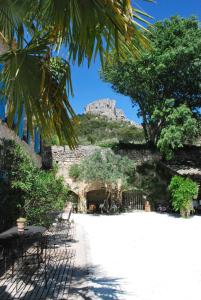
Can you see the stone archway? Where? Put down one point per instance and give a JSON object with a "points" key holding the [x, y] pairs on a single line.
{"points": [[84, 189]]}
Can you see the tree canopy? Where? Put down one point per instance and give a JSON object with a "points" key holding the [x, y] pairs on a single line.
{"points": [[178, 126], [33, 32], [172, 70], [104, 167]]}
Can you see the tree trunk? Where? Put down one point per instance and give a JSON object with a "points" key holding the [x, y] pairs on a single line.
{"points": [[82, 203]]}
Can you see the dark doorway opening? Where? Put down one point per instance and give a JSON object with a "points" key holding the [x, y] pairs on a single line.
{"points": [[94, 199]]}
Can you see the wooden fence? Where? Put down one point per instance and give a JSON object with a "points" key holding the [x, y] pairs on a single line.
{"points": [[133, 200]]}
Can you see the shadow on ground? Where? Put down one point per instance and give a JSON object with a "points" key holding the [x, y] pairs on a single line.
{"points": [[88, 285], [31, 283]]}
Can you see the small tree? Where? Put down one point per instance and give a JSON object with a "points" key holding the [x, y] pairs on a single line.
{"points": [[36, 192], [183, 190], [111, 170]]}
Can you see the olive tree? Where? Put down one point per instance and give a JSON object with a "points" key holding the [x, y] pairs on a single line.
{"points": [[113, 171]]}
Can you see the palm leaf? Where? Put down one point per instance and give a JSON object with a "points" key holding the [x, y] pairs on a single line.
{"points": [[29, 81], [85, 28], [81, 25]]}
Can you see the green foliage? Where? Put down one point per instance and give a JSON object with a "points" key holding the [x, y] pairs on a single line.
{"points": [[105, 167], [107, 143], [32, 30], [74, 171], [179, 127], [10, 203], [152, 183], [172, 70], [102, 132], [183, 190], [36, 192]]}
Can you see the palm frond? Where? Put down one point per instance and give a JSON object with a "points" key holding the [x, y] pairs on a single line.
{"points": [[29, 81], [85, 28], [91, 26], [12, 16]]}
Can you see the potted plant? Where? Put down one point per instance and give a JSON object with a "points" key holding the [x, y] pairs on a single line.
{"points": [[21, 224], [183, 191]]}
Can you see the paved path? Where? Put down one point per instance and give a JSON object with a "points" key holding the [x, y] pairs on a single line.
{"points": [[30, 282], [138, 256]]}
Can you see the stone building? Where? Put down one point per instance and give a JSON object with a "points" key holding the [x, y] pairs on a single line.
{"points": [[63, 157]]}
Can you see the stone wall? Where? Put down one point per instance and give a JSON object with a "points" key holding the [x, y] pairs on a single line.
{"points": [[188, 155], [139, 154], [64, 157]]}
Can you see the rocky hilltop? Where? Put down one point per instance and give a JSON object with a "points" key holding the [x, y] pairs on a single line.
{"points": [[106, 108]]}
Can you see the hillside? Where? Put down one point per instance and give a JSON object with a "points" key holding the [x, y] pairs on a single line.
{"points": [[103, 132]]}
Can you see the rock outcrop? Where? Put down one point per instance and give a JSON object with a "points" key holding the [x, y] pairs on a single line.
{"points": [[105, 108]]}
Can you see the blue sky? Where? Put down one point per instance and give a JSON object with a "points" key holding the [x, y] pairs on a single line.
{"points": [[86, 82]]}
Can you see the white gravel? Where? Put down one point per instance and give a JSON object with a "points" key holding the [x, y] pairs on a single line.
{"points": [[140, 256]]}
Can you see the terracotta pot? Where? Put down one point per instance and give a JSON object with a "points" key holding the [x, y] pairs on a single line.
{"points": [[147, 206], [21, 224]]}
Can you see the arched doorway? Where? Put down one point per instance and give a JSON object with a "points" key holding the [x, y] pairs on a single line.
{"points": [[94, 199]]}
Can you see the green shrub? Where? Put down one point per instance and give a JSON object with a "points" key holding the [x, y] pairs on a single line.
{"points": [[183, 190], [74, 171], [36, 192], [105, 167], [107, 143]]}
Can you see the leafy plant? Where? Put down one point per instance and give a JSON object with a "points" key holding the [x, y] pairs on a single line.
{"points": [[34, 192], [183, 190], [172, 70], [74, 171], [31, 31], [113, 171], [179, 127]]}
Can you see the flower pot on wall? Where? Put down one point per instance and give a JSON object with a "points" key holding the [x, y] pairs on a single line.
{"points": [[21, 224]]}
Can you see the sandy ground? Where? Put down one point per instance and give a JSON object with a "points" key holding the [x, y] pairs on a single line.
{"points": [[138, 256]]}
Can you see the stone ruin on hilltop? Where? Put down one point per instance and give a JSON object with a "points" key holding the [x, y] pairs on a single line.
{"points": [[106, 108]]}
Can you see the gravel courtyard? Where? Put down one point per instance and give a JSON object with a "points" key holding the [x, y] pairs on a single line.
{"points": [[138, 256]]}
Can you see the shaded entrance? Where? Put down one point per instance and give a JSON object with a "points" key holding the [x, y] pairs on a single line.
{"points": [[94, 199], [73, 197]]}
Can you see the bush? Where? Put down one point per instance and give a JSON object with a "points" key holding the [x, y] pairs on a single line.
{"points": [[183, 190], [36, 192], [107, 143], [105, 167], [74, 171]]}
